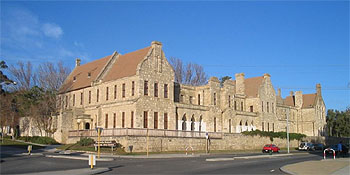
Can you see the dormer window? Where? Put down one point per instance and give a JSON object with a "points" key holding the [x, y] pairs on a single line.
{"points": [[89, 74], [74, 78]]}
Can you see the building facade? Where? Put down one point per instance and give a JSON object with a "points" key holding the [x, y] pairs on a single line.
{"points": [[137, 90]]}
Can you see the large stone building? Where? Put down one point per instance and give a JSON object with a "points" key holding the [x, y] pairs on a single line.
{"points": [[137, 90]]}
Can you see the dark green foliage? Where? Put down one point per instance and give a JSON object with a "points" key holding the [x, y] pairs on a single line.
{"points": [[223, 79], [39, 140], [281, 135], [338, 123], [86, 141]]}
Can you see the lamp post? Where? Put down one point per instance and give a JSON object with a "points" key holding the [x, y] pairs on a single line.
{"points": [[98, 129], [288, 132]]}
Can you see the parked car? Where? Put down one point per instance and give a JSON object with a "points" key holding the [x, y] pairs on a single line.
{"points": [[306, 146], [270, 148], [319, 146]]}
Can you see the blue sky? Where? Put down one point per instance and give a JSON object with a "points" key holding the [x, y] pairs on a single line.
{"points": [[299, 43]]}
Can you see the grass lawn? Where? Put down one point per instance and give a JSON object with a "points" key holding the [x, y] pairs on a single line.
{"points": [[13, 143]]}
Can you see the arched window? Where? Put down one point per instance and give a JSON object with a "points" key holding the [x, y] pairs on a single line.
{"points": [[252, 126], [184, 123], [87, 125], [192, 123], [229, 125]]}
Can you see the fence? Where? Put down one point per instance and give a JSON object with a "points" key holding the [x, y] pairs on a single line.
{"points": [[110, 132]]}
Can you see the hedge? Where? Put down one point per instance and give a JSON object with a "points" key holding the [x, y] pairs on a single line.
{"points": [[281, 135]]}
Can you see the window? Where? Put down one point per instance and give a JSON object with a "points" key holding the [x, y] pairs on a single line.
{"points": [[192, 123], [66, 101], [115, 91], [73, 99], [145, 119], [106, 121], [268, 126], [176, 121], [200, 123], [145, 88], [97, 94], [267, 107], [229, 101], [155, 89], [166, 121], [251, 109], [123, 119], [229, 125], [273, 127], [214, 124], [107, 93], [123, 90], [199, 99], [165, 90], [89, 97], [155, 120], [132, 119], [74, 78], [132, 88], [214, 98], [241, 106], [81, 98], [272, 107], [181, 98], [190, 99], [262, 106], [114, 120], [235, 104], [89, 74], [262, 126]]}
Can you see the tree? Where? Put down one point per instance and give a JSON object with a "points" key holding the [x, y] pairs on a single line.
{"points": [[223, 79], [338, 123], [190, 73], [3, 78], [23, 75]]}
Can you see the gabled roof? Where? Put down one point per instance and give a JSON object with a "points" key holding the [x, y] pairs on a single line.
{"points": [[308, 100], [126, 65], [252, 86], [80, 74]]}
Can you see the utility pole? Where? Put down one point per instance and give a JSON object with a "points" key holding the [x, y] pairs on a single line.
{"points": [[288, 131]]}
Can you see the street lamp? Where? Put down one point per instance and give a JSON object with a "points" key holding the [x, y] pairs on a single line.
{"points": [[288, 131]]}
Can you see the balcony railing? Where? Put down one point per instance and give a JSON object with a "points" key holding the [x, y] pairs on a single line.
{"points": [[142, 132]]}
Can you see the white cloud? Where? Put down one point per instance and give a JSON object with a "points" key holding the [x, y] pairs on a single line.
{"points": [[52, 30]]}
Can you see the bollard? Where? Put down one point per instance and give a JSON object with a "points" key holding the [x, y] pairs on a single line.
{"points": [[29, 149], [333, 154]]}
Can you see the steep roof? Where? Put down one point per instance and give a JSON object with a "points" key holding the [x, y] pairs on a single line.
{"points": [[308, 100], [252, 86], [81, 75], [126, 65]]}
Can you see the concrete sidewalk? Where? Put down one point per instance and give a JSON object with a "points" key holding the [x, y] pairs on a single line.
{"points": [[338, 166], [82, 171]]}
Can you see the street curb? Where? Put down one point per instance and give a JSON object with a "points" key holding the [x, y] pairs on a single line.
{"points": [[249, 157], [150, 157], [73, 171], [286, 171], [78, 158]]}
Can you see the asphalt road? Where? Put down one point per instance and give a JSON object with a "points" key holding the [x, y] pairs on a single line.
{"points": [[192, 165]]}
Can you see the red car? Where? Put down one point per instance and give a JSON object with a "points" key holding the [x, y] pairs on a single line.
{"points": [[270, 148]]}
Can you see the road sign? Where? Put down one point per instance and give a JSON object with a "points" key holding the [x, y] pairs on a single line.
{"points": [[92, 160], [206, 135]]}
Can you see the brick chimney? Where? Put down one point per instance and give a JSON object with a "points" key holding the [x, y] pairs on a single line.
{"points": [[318, 89], [240, 87], [77, 62], [291, 93], [298, 99]]}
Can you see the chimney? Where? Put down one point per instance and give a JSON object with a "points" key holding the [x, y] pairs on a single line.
{"points": [[318, 89], [77, 62], [298, 99], [240, 88], [279, 92], [291, 93]]}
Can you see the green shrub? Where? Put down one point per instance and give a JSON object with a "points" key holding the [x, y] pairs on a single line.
{"points": [[39, 140], [85, 141], [281, 135]]}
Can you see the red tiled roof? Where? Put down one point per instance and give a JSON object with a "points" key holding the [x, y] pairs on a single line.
{"points": [[126, 65], [81, 75], [309, 100], [252, 86]]}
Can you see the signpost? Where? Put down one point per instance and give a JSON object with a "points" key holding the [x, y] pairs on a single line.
{"points": [[99, 130], [206, 142], [92, 160]]}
